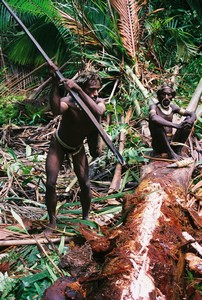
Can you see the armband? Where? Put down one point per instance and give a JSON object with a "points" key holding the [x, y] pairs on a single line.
{"points": [[182, 111], [152, 111]]}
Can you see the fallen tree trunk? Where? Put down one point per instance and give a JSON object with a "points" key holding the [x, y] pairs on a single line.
{"points": [[147, 260]]}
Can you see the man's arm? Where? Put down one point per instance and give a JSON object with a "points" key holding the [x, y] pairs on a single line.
{"points": [[97, 108], [190, 115], [160, 120], [58, 105]]}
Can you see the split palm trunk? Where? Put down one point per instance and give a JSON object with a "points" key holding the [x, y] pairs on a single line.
{"points": [[144, 257], [146, 262]]}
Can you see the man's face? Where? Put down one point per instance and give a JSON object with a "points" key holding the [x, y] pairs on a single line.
{"points": [[92, 89], [165, 97]]}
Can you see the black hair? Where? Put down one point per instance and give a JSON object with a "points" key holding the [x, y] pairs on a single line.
{"points": [[85, 76], [164, 86]]}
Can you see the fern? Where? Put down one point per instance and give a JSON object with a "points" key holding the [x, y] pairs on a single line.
{"points": [[33, 7], [7, 286]]}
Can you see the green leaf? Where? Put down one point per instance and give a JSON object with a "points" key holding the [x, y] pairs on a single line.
{"points": [[38, 289], [62, 244], [7, 285], [53, 276], [19, 220], [125, 180], [16, 229], [109, 210], [28, 280], [12, 153]]}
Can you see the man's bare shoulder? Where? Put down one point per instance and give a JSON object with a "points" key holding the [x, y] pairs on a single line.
{"points": [[102, 106], [152, 106], [67, 99], [175, 108]]}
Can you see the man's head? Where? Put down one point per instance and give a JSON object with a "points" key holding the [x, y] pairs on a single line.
{"points": [[165, 94], [90, 82]]}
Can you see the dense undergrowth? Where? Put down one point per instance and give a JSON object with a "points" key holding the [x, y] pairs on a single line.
{"points": [[171, 38]]}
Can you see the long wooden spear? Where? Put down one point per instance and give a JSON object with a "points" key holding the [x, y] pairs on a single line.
{"points": [[72, 93]]}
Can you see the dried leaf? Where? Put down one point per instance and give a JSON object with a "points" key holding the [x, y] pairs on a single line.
{"points": [[196, 217], [129, 26], [194, 262]]}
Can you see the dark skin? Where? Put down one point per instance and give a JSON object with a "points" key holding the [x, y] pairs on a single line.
{"points": [[161, 125], [74, 127]]}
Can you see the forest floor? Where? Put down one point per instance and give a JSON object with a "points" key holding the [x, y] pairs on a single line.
{"points": [[28, 259], [23, 214]]}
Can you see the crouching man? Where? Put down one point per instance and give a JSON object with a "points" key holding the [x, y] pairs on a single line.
{"points": [[161, 124]]}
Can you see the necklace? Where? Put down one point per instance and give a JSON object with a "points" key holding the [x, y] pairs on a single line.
{"points": [[165, 111]]}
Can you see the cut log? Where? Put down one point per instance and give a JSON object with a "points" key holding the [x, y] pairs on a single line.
{"points": [[116, 181], [145, 260], [145, 264]]}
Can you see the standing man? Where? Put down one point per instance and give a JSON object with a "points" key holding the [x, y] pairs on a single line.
{"points": [[68, 139], [161, 124]]}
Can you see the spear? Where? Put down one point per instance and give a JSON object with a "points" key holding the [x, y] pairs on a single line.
{"points": [[72, 93]]}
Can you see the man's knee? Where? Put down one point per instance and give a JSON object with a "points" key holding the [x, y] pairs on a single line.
{"points": [[85, 190], [50, 185]]}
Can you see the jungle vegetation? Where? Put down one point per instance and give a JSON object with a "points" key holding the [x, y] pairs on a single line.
{"points": [[135, 48]]}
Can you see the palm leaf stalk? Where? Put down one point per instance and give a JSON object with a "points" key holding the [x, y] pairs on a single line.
{"points": [[129, 25]]}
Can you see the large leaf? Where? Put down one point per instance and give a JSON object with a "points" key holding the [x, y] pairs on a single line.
{"points": [[129, 25]]}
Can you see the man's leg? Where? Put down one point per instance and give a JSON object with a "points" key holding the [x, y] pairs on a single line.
{"points": [[181, 136], [160, 142], [81, 170], [54, 161]]}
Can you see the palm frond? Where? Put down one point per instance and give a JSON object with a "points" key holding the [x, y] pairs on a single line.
{"points": [[90, 23], [86, 35], [129, 26], [196, 7], [33, 7]]}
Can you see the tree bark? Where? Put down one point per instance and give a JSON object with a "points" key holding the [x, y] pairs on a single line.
{"points": [[144, 259], [146, 262]]}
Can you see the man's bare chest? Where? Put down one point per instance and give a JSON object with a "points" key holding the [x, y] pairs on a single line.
{"points": [[76, 120], [166, 115]]}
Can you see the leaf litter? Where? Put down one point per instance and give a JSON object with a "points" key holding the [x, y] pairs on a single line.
{"points": [[23, 214]]}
